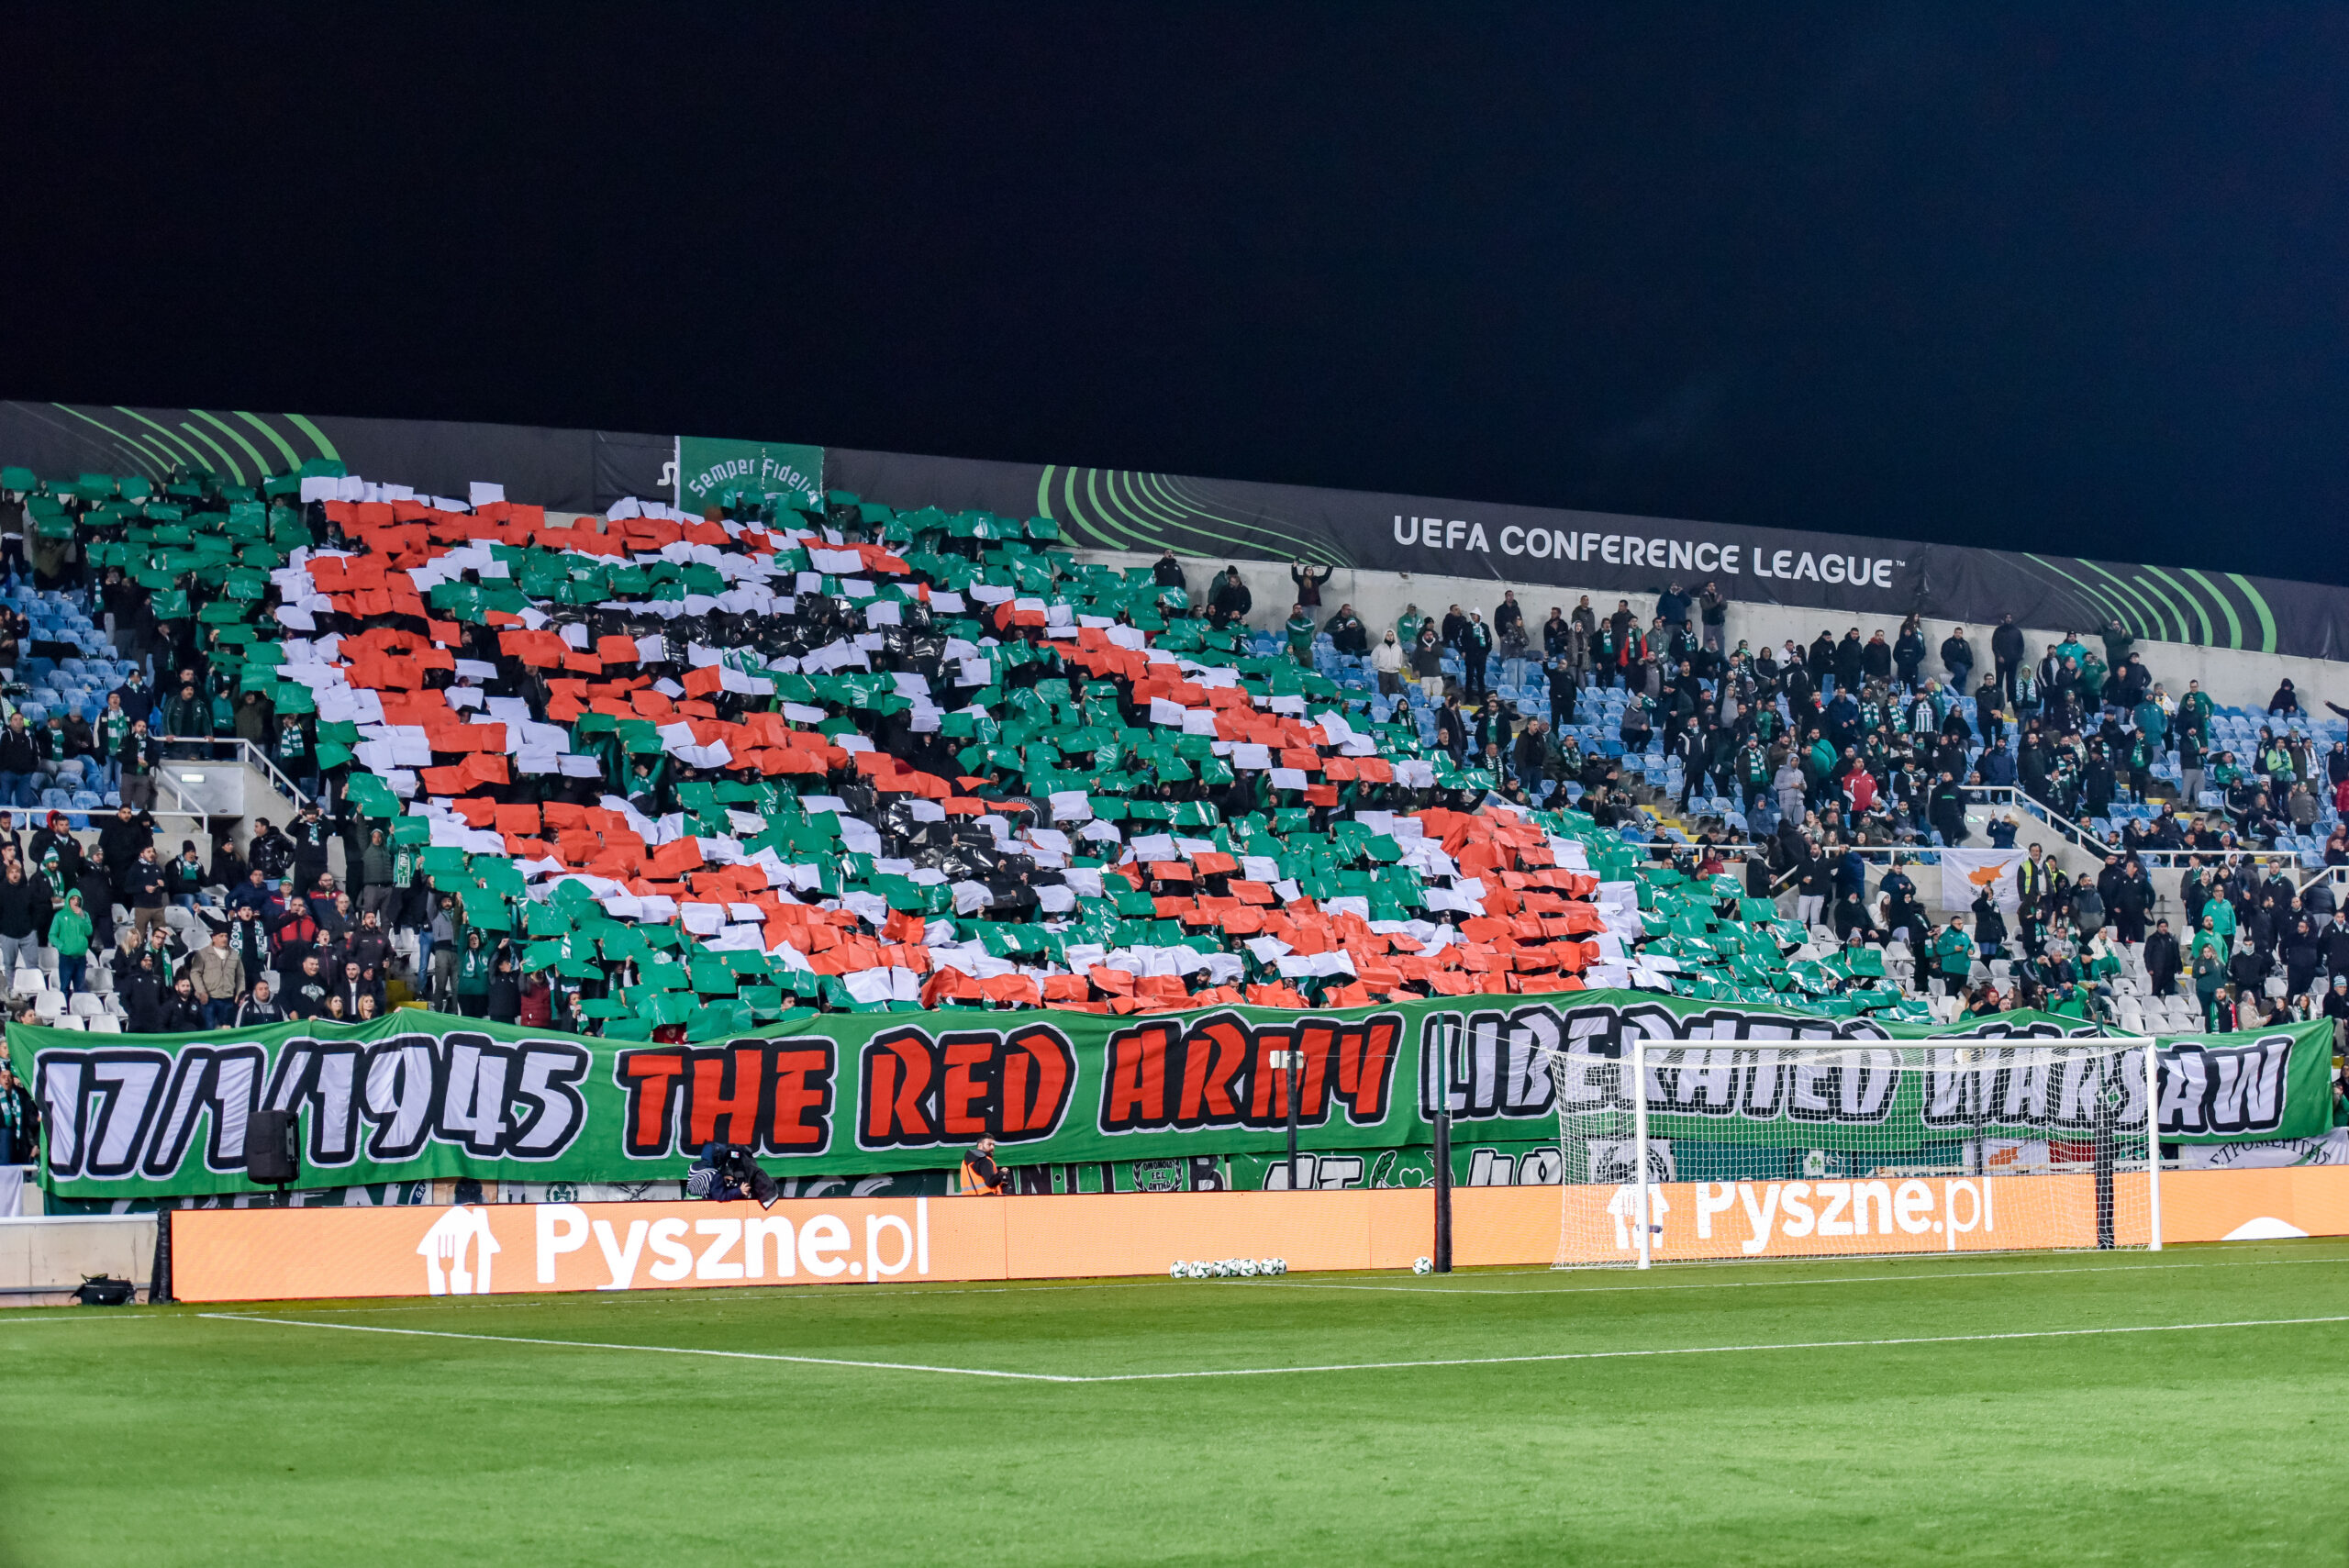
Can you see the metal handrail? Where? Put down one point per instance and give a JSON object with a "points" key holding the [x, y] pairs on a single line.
{"points": [[2085, 840], [253, 756]]}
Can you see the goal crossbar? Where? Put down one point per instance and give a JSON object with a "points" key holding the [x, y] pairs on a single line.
{"points": [[1691, 1149]]}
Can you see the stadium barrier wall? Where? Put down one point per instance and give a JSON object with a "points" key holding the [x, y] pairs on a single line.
{"points": [[43, 1258], [510, 1249], [518, 1249]]}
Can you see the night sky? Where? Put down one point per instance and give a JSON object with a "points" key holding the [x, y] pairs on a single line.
{"points": [[2055, 278]]}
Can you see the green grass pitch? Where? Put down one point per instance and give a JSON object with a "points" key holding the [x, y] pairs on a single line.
{"points": [[1977, 1409]]}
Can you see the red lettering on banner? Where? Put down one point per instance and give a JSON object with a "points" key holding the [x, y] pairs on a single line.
{"points": [[1137, 1078], [651, 1078], [1038, 1112], [803, 1082], [898, 1076], [711, 1103], [963, 1089]]}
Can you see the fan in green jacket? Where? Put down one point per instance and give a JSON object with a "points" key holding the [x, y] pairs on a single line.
{"points": [[1953, 950], [70, 929], [1300, 630], [475, 963]]}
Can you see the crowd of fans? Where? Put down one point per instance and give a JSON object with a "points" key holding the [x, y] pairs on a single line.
{"points": [[664, 776]]}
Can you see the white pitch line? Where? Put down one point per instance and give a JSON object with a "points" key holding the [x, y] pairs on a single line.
{"points": [[653, 1350], [1290, 1371], [1769, 1284], [1706, 1350]]}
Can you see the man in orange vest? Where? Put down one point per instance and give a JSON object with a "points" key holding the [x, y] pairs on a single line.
{"points": [[980, 1174]]}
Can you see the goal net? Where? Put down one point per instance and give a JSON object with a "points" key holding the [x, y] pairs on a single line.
{"points": [[1683, 1151]]}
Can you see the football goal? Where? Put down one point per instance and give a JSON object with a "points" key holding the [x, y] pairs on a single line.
{"points": [[1688, 1150]]}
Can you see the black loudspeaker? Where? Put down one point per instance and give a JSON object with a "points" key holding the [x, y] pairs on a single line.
{"points": [[272, 1150]]}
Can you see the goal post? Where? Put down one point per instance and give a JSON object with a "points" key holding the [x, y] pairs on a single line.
{"points": [[1681, 1150]]}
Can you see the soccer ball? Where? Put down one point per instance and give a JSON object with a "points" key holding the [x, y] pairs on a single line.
{"points": [[1179, 1270], [1270, 1266], [1423, 1265], [1248, 1268]]}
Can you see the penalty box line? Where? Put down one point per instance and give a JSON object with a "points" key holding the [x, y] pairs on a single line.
{"points": [[1632, 1354]]}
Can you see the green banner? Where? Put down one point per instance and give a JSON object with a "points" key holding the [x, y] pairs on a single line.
{"points": [[418, 1095], [709, 470]]}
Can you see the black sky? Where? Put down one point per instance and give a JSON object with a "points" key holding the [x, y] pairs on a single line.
{"points": [[2037, 277]]}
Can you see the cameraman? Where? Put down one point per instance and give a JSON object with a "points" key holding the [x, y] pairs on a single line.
{"points": [[982, 1175], [725, 1172]]}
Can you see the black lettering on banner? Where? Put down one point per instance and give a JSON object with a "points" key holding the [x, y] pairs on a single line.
{"points": [[2234, 1089], [218, 1084], [98, 1106], [1500, 1062], [1715, 1063], [773, 1096], [1166, 1074], [917, 1091]]}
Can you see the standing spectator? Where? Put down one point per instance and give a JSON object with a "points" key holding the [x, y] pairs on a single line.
{"points": [[20, 760], [475, 964], [1712, 605], [310, 837], [1566, 692], [1299, 632], [1672, 606], [142, 986], [228, 868], [1508, 626], [1957, 658], [69, 932], [2163, 962], [1387, 659], [1308, 583], [1475, 647], [1909, 653], [220, 976], [504, 1000], [24, 919], [181, 1012], [295, 757], [2007, 651], [2194, 714], [250, 941], [1451, 729], [136, 764], [1168, 572], [143, 889], [186, 715], [1230, 602], [272, 853]]}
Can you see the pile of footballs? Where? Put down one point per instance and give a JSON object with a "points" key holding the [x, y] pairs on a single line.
{"points": [[1229, 1268]]}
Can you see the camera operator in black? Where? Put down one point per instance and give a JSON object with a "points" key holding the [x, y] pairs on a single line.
{"points": [[725, 1172]]}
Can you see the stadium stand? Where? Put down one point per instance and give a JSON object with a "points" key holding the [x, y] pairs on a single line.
{"points": [[656, 774]]}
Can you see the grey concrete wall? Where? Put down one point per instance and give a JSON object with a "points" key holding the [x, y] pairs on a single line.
{"points": [[42, 1259]]}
